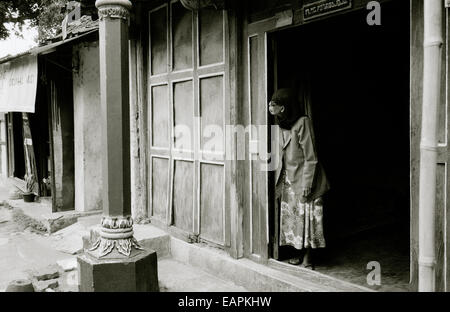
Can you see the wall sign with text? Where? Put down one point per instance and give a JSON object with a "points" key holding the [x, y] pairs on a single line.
{"points": [[324, 7], [18, 84]]}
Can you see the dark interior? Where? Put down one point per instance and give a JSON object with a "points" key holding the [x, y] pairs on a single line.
{"points": [[39, 126], [359, 83], [19, 158]]}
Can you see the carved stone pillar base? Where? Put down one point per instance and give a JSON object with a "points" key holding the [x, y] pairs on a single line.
{"points": [[137, 273], [116, 239], [116, 262]]}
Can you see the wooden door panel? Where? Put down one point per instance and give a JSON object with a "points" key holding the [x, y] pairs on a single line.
{"points": [[257, 95], [158, 41], [416, 61], [441, 173], [212, 203], [212, 117], [255, 209], [160, 117], [183, 115], [160, 187], [211, 43], [183, 195], [254, 67], [212, 149], [182, 37]]}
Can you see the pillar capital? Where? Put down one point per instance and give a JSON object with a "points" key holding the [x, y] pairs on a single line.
{"points": [[113, 8]]}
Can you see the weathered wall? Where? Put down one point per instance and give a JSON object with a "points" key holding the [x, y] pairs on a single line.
{"points": [[138, 136], [87, 131], [138, 112]]}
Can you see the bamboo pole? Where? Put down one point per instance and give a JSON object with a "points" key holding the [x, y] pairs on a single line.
{"points": [[428, 146]]}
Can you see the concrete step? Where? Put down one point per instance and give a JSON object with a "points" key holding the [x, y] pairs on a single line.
{"points": [[41, 213], [175, 276], [334, 284], [190, 260], [254, 276]]}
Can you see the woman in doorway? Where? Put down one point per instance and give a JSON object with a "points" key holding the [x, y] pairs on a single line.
{"points": [[300, 179]]}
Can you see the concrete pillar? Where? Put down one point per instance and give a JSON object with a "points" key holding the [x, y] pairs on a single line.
{"points": [[116, 262]]}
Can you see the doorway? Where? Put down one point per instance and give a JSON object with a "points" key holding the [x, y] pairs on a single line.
{"points": [[358, 80], [16, 159]]}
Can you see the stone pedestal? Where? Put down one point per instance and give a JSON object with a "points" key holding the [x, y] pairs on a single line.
{"points": [[138, 272]]}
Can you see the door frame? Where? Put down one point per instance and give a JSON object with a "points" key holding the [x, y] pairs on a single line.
{"points": [[262, 30]]}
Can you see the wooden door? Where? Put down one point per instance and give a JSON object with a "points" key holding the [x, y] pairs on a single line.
{"points": [[258, 89], [187, 100]]}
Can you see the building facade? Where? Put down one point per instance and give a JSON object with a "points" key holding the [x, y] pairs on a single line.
{"points": [[372, 77], [208, 69], [212, 66]]}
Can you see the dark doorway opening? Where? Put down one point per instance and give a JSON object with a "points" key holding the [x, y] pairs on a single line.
{"points": [[15, 139], [358, 77]]}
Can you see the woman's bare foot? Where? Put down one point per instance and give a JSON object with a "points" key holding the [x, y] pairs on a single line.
{"points": [[294, 261], [307, 260]]}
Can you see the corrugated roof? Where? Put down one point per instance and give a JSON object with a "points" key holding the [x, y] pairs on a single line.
{"points": [[83, 27], [12, 57], [46, 48]]}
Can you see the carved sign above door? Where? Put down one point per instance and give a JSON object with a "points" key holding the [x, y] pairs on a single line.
{"points": [[324, 7]]}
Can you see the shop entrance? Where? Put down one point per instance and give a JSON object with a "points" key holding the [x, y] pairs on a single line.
{"points": [[357, 82]]}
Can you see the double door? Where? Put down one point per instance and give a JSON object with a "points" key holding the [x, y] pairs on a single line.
{"points": [[187, 117]]}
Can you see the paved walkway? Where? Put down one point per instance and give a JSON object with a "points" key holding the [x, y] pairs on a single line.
{"points": [[22, 251]]}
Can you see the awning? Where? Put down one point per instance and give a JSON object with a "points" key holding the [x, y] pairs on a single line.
{"points": [[52, 47], [18, 84], [19, 77]]}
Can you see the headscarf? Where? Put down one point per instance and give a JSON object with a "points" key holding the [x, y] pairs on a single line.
{"points": [[293, 110]]}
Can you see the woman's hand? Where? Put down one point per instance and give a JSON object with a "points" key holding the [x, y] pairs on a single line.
{"points": [[306, 191]]}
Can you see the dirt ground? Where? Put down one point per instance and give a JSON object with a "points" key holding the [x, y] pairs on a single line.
{"points": [[22, 248]]}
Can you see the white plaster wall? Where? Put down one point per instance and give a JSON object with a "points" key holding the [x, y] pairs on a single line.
{"points": [[87, 130]]}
